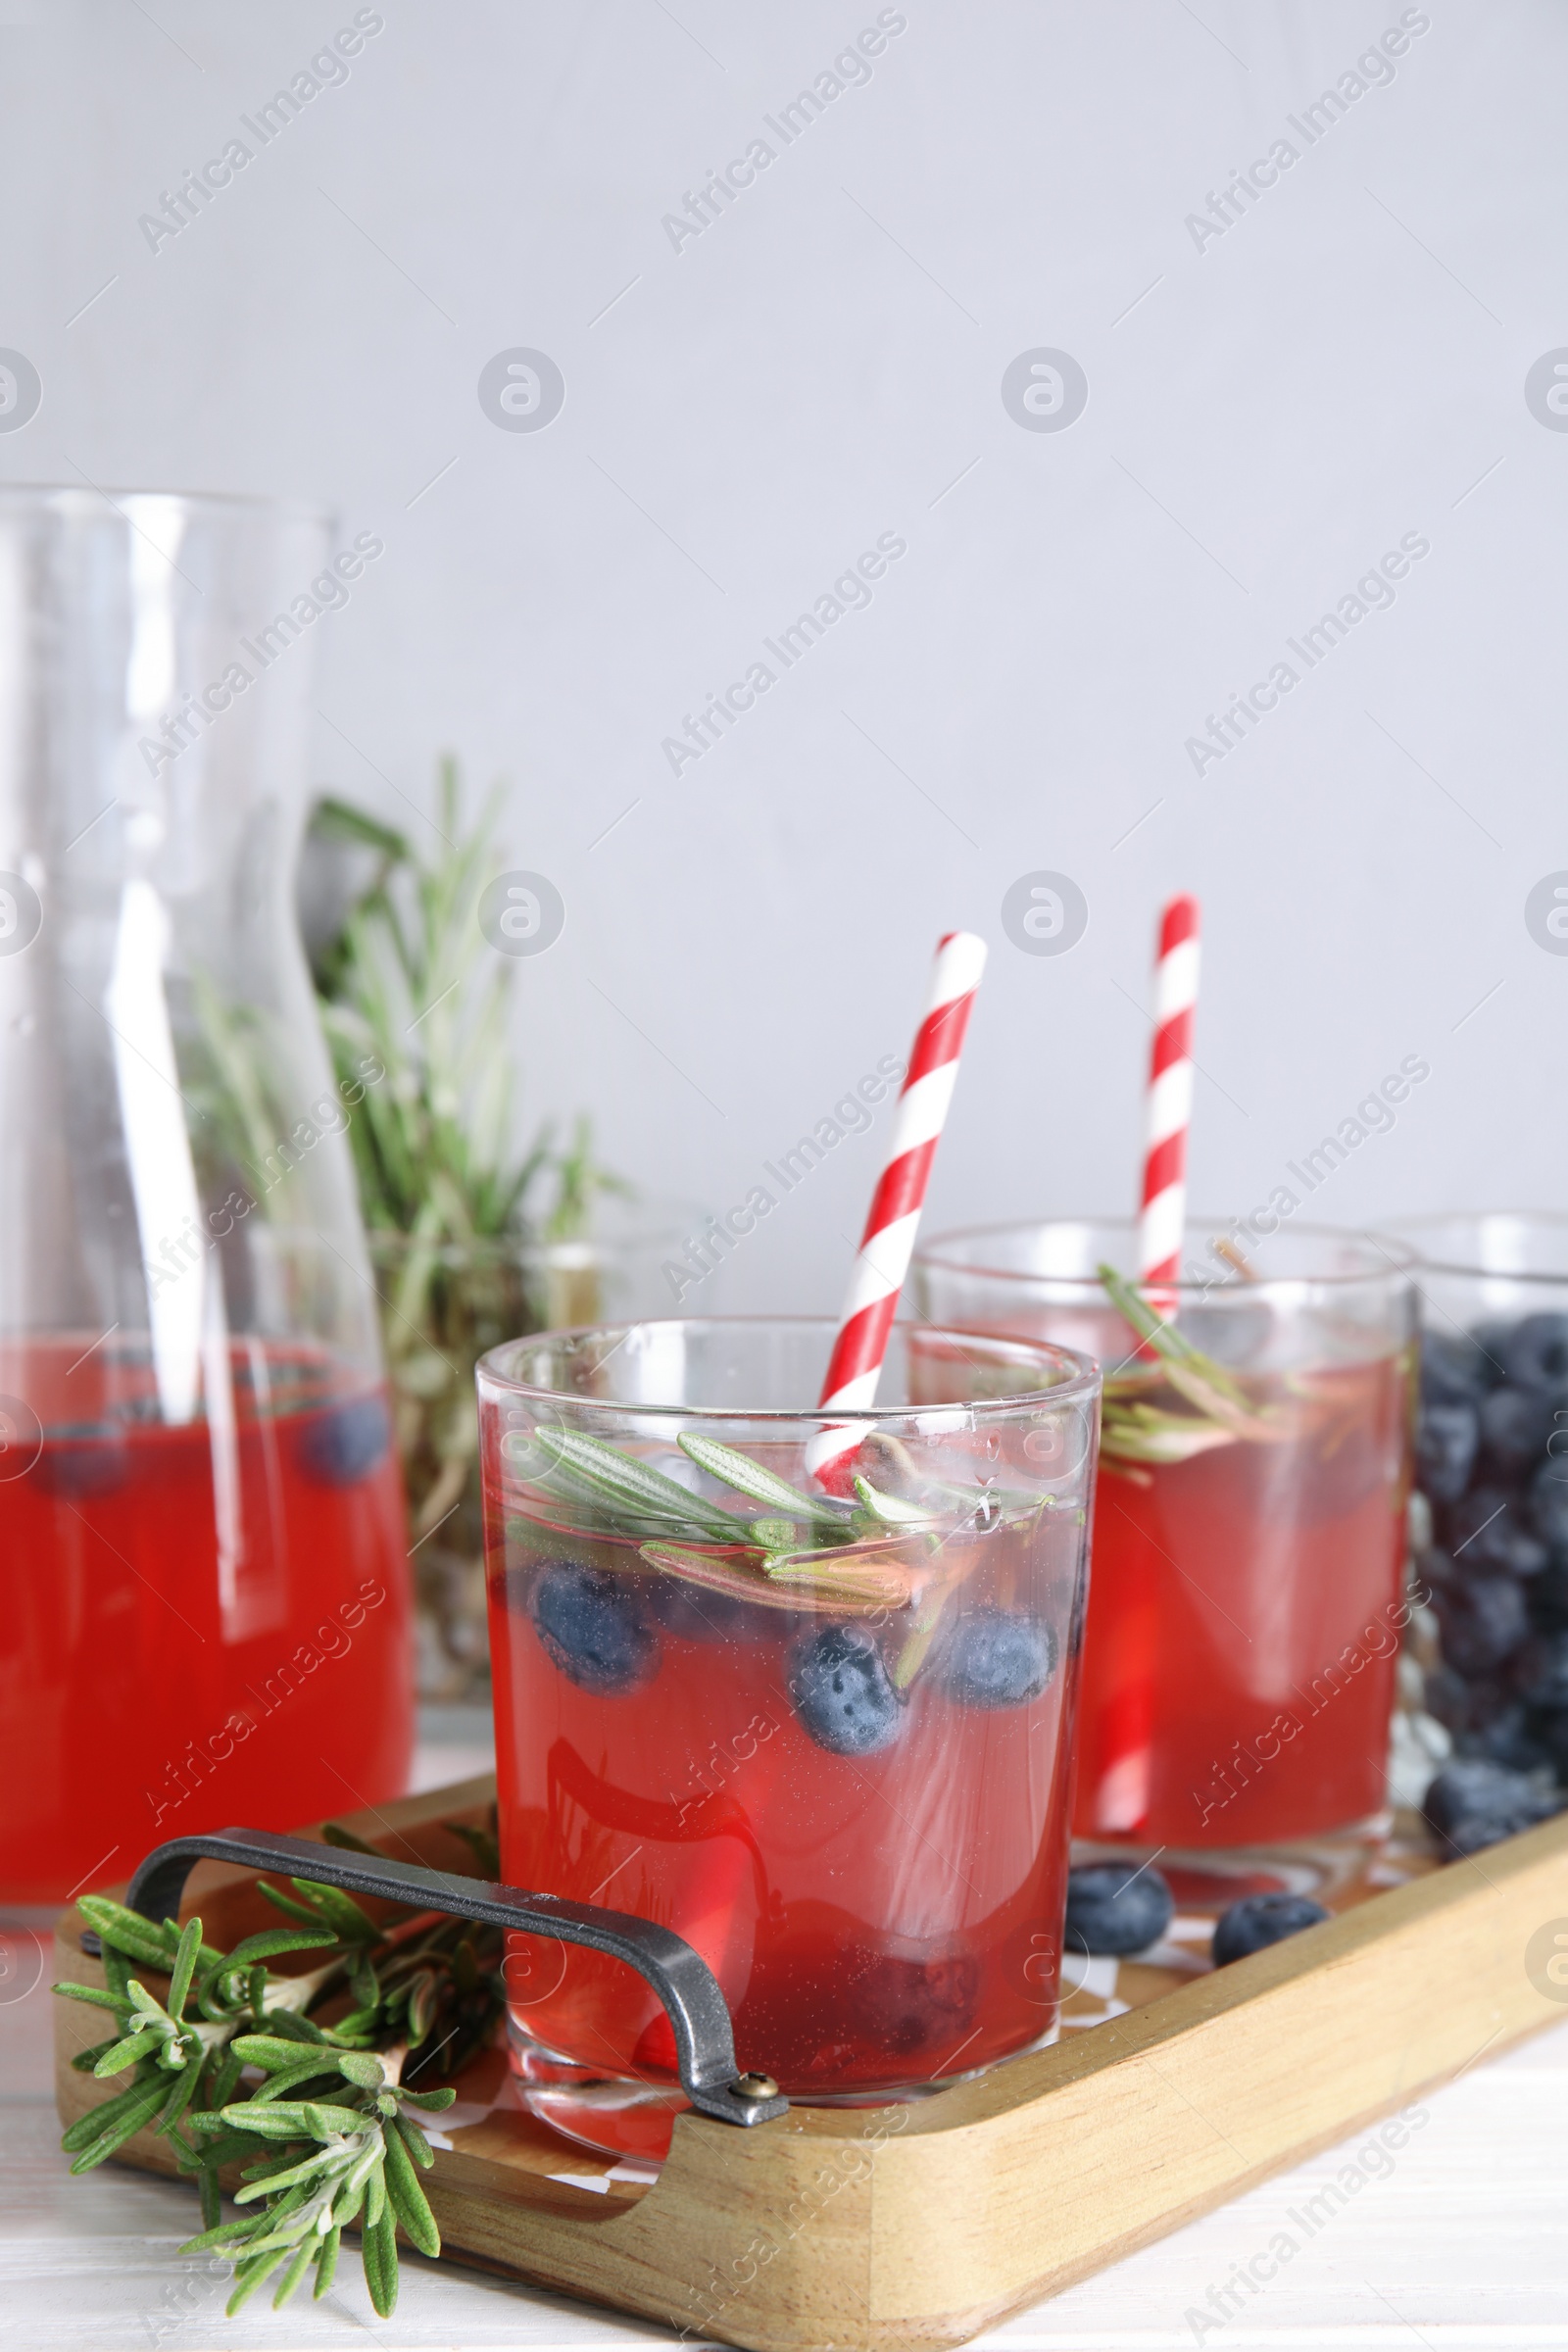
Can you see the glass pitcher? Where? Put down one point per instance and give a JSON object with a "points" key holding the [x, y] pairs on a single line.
{"points": [[204, 1588]]}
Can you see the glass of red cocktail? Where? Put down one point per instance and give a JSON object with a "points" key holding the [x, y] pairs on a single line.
{"points": [[1249, 1520], [824, 1736]]}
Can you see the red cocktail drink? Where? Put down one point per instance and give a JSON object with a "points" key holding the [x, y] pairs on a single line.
{"points": [[199, 1624], [1250, 1529], [1245, 1621], [830, 1750]]}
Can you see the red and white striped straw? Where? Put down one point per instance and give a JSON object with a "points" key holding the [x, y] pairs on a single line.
{"points": [[1164, 1213], [888, 1241]]}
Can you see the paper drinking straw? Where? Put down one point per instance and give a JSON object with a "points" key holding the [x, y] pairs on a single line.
{"points": [[883, 1257], [1170, 1096]]}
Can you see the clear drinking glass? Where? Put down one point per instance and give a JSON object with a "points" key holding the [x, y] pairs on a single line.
{"points": [[826, 1736], [1492, 1469], [203, 1584], [1250, 1526]]}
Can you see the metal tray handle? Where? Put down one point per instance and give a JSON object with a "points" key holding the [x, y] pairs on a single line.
{"points": [[686, 1987]]}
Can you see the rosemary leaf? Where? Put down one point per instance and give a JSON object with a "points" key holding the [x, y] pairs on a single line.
{"points": [[379, 2252], [414, 2142], [326, 2261], [712, 1575], [306, 1912], [143, 2103], [481, 1843], [870, 1585], [291, 2120], [184, 1968], [98, 2120], [270, 2051], [269, 1943], [747, 1477], [179, 2098], [776, 1535], [85, 2061], [92, 1992], [294, 2274], [340, 1911], [408, 2200], [250, 2276], [293, 2078], [632, 1486], [210, 2194], [892, 1510], [128, 1932], [120, 2054], [334, 1834]]}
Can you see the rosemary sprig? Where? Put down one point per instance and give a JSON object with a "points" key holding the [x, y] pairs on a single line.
{"points": [[331, 2136], [587, 1470], [449, 1191], [803, 1550], [643, 1500], [1221, 1400], [344, 2156], [1138, 1431]]}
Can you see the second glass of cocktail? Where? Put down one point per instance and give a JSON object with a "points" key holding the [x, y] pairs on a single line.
{"points": [[825, 1736], [1250, 1534]]}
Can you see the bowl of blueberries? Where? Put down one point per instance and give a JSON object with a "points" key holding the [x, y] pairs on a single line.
{"points": [[1490, 1518]]}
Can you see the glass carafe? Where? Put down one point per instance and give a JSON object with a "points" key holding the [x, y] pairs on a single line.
{"points": [[204, 1611]]}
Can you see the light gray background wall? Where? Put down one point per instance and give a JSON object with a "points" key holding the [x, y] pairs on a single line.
{"points": [[1266, 417]]}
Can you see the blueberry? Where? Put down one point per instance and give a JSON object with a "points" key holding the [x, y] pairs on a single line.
{"points": [[343, 1444], [1535, 1353], [1548, 1502], [1455, 1370], [842, 1693], [1111, 1907], [1446, 1449], [1515, 1424], [1478, 1831], [1489, 1339], [1259, 1919], [1447, 1696], [592, 1628], [1507, 1740], [1548, 1595], [913, 2005], [1487, 1529], [1549, 1726], [1435, 1570], [1482, 1623], [1472, 1803], [1539, 1671], [994, 1659]]}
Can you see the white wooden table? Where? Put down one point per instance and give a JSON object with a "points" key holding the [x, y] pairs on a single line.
{"points": [[1463, 2243]]}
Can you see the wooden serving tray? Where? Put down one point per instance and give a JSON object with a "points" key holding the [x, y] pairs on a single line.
{"points": [[1172, 2089]]}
